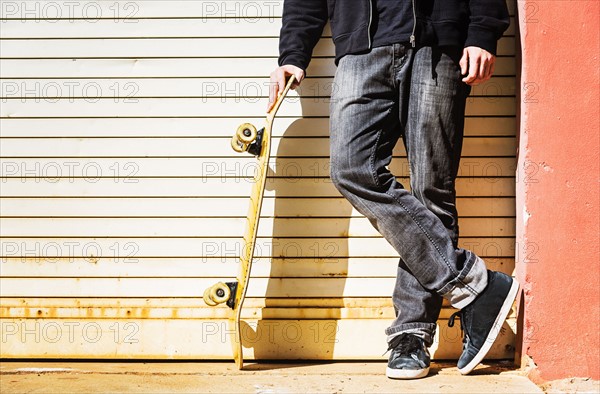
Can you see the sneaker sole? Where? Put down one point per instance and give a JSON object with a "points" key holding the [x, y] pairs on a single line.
{"points": [[491, 338], [406, 373]]}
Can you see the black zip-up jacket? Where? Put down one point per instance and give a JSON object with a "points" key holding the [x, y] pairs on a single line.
{"points": [[465, 23]]}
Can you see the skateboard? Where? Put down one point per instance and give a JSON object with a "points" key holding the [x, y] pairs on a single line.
{"points": [[258, 143]]}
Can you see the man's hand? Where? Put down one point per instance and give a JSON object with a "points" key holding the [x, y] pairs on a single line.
{"points": [[278, 81], [477, 64]]}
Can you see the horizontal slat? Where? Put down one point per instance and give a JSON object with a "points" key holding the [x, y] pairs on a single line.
{"points": [[151, 28], [255, 309], [132, 68], [197, 338], [243, 88], [205, 313], [227, 267], [154, 305], [202, 312], [194, 287], [206, 127], [239, 47], [182, 187], [224, 227], [184, 308], [218, 207], [144, 28], [209, 147], [129, 12], [128, 169], [322, 257], [205, 107]]}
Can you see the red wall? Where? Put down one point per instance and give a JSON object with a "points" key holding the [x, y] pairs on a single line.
{"points": [[558, 187]]}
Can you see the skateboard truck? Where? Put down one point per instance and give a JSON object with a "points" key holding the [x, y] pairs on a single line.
{"points": [[233, 287], [248, 139], [256, 147]]}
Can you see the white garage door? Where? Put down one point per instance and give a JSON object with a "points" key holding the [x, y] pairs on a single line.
{"points": [[121, 199]]}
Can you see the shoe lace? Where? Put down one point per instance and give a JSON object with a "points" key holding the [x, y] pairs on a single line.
{"points": [[454, 316], [405, 344], [463, 329]]}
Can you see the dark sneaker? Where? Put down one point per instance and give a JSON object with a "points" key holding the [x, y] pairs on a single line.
{"points": [[482, 319], [409, 358]]}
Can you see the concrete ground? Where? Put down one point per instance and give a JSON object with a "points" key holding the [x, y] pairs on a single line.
{"points": [[223, 377]]}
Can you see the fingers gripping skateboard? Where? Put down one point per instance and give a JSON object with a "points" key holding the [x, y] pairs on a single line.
{"points": [[247, 138]]}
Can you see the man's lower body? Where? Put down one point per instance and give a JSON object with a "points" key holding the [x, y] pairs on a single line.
{"points": [[417, 94]]}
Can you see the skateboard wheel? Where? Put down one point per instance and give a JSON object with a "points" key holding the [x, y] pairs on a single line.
{"points": [[207, 299], [237, 145], [219, 293], [246, 133], [216, 294]]}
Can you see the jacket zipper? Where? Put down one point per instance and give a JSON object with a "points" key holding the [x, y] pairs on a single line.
{"points": [[370, 22], [412, 36]]}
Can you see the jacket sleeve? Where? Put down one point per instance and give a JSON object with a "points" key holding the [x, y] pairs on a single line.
{"points": [[488, 21], [303, 23]]}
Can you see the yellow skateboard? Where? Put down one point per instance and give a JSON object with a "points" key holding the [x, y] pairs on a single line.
{"points": [[257, 143]]}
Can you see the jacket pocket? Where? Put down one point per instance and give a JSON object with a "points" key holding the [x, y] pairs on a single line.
{"points": [[348, 17]]}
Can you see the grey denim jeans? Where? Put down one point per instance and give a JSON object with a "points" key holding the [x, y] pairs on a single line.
{"points": [[416, 93]]}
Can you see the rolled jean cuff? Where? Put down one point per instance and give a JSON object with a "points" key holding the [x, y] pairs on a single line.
{"points": [[469, 283], [425, 331]]}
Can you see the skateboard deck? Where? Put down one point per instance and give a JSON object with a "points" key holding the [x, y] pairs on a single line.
{"points": [[256, 142]]}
